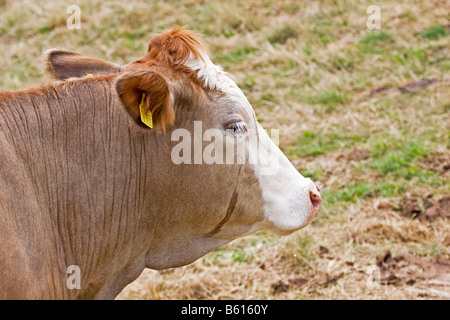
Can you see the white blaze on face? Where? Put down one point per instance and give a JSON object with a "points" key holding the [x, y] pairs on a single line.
{"points": [[213, 75], [290, 200], [288, 203]]}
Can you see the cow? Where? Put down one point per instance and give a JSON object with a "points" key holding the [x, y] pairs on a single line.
{"points": [[88, 182]]}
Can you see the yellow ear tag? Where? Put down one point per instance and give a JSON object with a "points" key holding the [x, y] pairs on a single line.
{"points": [[89, 75], [146, 116]]}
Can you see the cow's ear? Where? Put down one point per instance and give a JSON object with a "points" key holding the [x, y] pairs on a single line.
{"points": [[147, 99], [64, 64]]}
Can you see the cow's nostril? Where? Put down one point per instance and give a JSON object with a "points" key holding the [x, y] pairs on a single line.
{"points": [[316, 200]]}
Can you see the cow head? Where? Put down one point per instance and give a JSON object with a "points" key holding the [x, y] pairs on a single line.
{"points": [[223, 177]]}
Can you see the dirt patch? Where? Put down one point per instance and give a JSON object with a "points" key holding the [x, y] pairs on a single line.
{"points": [[312, 284], [440, 209], [432, 274], [284, 286], [358, 154], [416, 86], [201, 290], [414, 206], [392, 270], [423, 208], [439, 163], [355, 154], [412, 87], [323, 251], [377, 91]]}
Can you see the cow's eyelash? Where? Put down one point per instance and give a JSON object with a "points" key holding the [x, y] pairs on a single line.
{"points": [[237, 127]]}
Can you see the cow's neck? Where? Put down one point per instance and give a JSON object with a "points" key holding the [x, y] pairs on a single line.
{"points": [[85, 166]]}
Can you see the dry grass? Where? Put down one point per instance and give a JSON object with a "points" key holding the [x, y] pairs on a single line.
{"points": [[355, 112]]}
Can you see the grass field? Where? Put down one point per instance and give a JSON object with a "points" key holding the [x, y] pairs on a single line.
{"points": [[365, 113]]}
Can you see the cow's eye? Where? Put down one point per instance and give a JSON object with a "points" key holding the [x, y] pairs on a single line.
{"points": [[237, 127]]}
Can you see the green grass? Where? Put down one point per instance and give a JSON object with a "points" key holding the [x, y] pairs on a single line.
{"points": [[322, 35], [333, 97], [313, 174], [236, 56], [329, 99], [343, 62], [397, 157], [375, 42], [280, 36], [316, 144], [435, 32], [433, 250], [361, 190], [242, 256]]}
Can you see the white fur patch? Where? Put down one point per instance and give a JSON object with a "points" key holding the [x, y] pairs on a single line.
{"points": [[285, 191], [212, 75]]}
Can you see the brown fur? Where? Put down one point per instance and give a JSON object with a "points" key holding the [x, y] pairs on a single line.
{"points": [[64, 64], [175, 46], [164, 55], [131, 87], [81, 186]]}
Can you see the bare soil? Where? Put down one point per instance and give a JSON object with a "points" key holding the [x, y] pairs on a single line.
{"points": [[439, 163], [423, 209], [428, 274]]}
